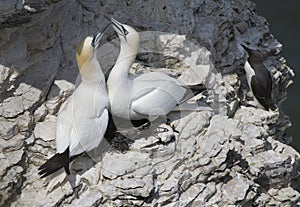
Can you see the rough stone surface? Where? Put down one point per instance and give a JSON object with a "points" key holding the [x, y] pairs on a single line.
{"points": [[230, 154]]}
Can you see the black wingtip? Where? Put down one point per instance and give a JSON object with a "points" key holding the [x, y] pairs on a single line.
{"points": [[191, 91], [55, 163], [197, 88]]}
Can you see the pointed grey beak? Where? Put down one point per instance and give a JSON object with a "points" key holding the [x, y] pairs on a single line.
{"points": [[98, 36], [117, 26]]}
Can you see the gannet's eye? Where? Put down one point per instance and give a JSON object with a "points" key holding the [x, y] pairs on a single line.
{"points": [[124, 30]]}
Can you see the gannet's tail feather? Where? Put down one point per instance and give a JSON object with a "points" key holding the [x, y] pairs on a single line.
{"points": [[192, 91], [199, 87], [55, 163]]}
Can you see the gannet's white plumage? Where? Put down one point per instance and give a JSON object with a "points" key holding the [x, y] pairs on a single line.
{"points": [[259, 80], [144, 96], [82, 120]]}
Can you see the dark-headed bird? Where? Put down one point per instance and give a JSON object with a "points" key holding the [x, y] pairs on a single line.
{"points": [[259, 79]]}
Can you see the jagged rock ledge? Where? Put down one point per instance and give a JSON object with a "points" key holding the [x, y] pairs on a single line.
{"points": [[235, 154]]}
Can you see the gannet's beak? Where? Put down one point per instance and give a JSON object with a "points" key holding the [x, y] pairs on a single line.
{"points": [[98, 36], [118, 27]]}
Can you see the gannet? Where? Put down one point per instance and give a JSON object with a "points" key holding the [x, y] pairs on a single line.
{"points": [[259, 79], [82, 120], [143, 96]]}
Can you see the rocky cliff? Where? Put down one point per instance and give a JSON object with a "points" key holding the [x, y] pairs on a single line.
{"points": [[234, 154]]}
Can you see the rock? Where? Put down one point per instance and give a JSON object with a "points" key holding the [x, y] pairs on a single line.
{"points": [[195, 127], [4, 74], [8, 128], [40, 113], [13, 144], [271, 168], [229, 126], [46, 130], [276, 199], [191, 194], [224, 153], [235, 190], [136, 187], [209, 190], [58, 93], [255, 116], [11, 107], [123, 164]]}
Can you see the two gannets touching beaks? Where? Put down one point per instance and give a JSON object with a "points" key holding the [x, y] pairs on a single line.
{"points": [[82, 119], [143, 96]]}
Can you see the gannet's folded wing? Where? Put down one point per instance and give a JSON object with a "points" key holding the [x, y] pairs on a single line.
{"points": [[92, 131], [156, 97], [64, 127], [155, 76], [87, 132]]}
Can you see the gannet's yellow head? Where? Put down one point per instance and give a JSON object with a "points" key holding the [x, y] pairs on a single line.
{"points": [[84, 51], [127, 35]]}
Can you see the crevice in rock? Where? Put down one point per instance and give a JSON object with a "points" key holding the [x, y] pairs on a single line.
{"points": [[17, 185]]}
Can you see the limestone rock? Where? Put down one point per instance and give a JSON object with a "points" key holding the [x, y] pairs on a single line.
{"points": [[46, 129], [59, 91], [235, 190], [8, 128], [229, 153], [122, 164]]}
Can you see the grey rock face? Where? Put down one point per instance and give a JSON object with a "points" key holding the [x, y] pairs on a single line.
{"points": [[227, 154]]}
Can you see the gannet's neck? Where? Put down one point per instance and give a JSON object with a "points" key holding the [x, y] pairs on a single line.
{"points": [[91, 72], [121, 68]]}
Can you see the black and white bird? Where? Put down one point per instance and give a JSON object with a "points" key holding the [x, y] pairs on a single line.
{"points": [[82, 120], [259, 79]]}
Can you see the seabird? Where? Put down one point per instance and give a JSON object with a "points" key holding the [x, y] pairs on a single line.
{"points": [[143, 96], [259, 79], [82, 120]]}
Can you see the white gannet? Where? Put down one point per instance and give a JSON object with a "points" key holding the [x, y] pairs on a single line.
{"points": [[259, 79], [143, 96], [82, 120]]}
